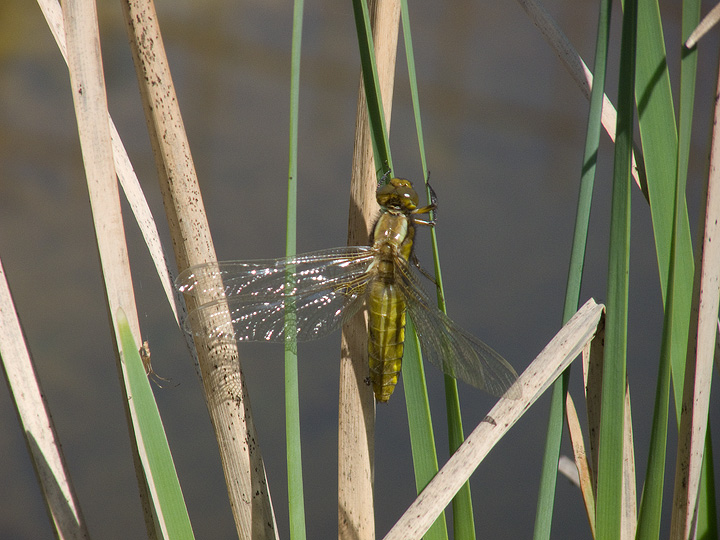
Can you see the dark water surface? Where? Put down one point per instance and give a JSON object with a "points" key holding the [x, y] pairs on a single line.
{"points": [[504, 133]]}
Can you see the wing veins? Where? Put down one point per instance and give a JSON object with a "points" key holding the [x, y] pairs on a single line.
{"points": [[327, 288], [450, 348]]}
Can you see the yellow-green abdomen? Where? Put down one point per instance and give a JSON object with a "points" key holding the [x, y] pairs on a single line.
{"points": [[386, 336]]}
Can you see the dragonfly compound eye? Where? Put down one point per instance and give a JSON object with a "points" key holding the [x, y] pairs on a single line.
{"points": [[398, 193]]}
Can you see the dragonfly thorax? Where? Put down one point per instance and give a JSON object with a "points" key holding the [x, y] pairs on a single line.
{"points": [[394, 234]]}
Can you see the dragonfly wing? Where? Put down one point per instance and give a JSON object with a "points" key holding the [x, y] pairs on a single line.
{"points": [[324, 287], [455, 351]]}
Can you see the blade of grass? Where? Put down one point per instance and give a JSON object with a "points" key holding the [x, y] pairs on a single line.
{"points": [[420, 424], [551, 454], [548, 478], [659, 136], [688, 76], [610, 459], [651, 504], [658, 132], [376, 116], [463, 521], [296, 498], [412, 75], [160, 476], [462, 507]]}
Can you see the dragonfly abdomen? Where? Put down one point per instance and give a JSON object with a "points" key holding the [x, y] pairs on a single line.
{"points": [[386, 337]]}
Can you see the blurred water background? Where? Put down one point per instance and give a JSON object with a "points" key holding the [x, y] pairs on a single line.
{"points": [[504, 132]]}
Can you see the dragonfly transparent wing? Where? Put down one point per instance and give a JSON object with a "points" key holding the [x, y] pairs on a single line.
{"points": [[455, 351], [325, 287]]}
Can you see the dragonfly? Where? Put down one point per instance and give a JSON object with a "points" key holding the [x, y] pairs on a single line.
{"points": [[310, 295]]}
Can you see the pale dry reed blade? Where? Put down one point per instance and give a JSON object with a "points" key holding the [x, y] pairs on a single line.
{"points": [[88, 90], [629, 489], [577, 68], [37, 425], [708, 22], [534, 381], [223, 384], [356, 422], [582, 464], [699, 363], [128, 180], [89, 97], [592, 378]]}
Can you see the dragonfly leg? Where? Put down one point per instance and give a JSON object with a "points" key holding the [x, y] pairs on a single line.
{"points": [[424, 272], [384, 180], [432, 207]]}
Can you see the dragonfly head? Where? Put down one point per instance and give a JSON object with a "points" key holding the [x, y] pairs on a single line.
{"points": [[398, 196]]}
